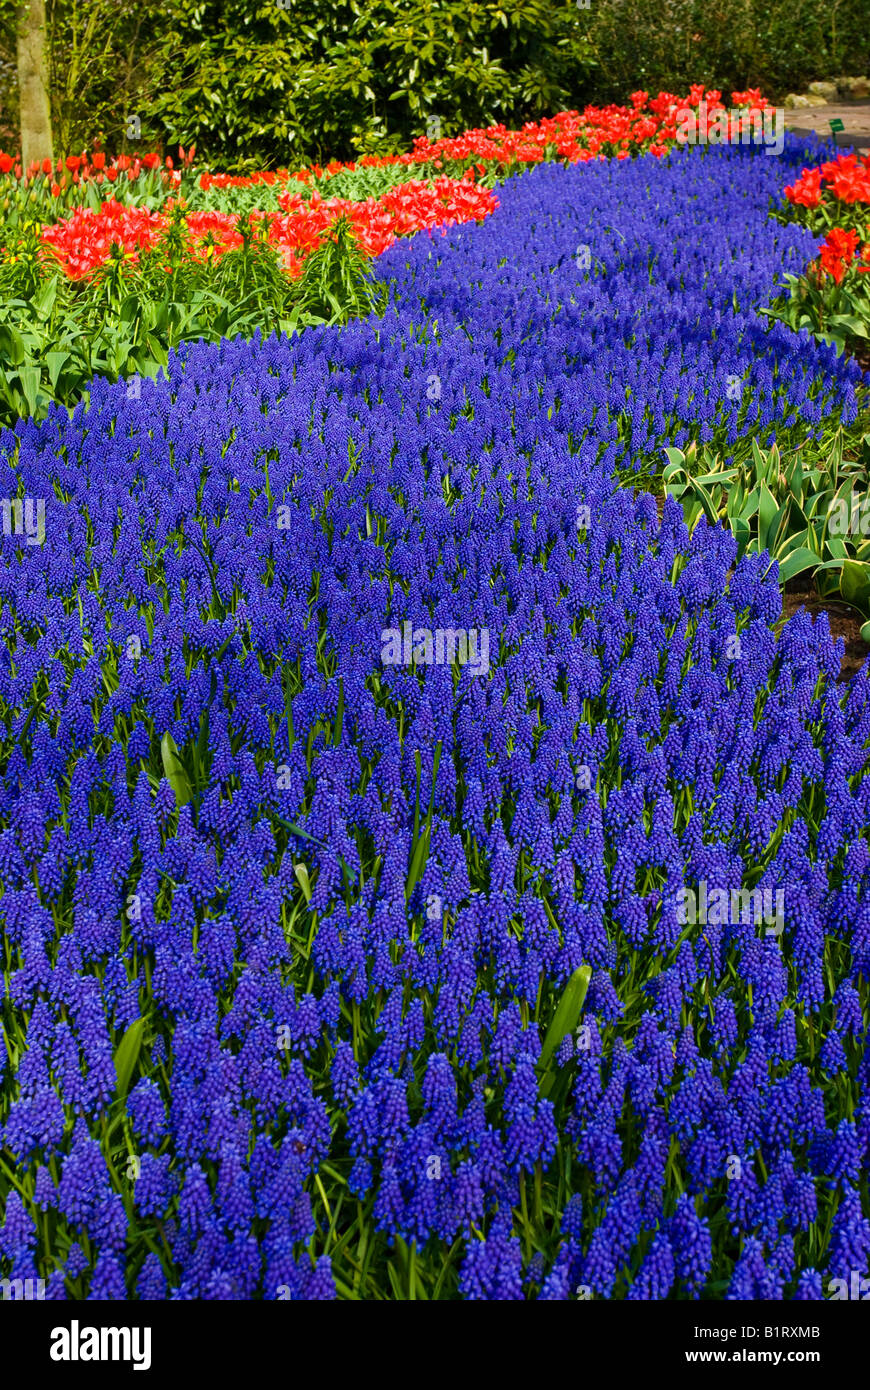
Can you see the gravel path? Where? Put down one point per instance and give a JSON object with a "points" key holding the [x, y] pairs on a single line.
{"points": [[854, 115]]}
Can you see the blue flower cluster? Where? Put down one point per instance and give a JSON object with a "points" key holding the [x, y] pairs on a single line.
{"points": [[286, 927]]}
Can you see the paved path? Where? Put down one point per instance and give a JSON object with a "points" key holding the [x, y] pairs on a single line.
{"points": [[854, 115]]}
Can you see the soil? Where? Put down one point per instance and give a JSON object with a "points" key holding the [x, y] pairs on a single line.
{"points": [[862, 357]]}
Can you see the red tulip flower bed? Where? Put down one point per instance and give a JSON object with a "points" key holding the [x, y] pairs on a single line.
{"points": [[842, 180], [82, 241], [648, 125]]}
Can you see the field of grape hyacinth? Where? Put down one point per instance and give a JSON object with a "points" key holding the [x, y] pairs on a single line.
{"points": [[334, 976]]}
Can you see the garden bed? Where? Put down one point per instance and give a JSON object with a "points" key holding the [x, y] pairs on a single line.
{"points": [[381, 772]]}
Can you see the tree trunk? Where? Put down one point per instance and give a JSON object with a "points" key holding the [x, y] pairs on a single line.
{"points": [[35, 116]]}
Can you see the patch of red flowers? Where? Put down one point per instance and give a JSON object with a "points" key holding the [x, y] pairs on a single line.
{"points": [[847, 178], [83, 240], [837, 192], [409, 207], [94, 167], [839, 251]]}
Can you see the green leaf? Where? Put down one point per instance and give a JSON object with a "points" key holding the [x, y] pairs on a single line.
{"points": [[565, 1020], [760, 463], [796, 480], [174, 770], [836, 457], [750, 505], [767, 512], [852, 324], [11, 345], [54, 361], [420, 851], [838, 547], [127, 1055], [43, 302], [339, 716], [796, 562], [777, 532], [855, 583], [30, 377], [705, 500], [303, 880]]}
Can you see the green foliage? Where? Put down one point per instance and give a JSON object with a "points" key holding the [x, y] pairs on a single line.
{"points": [[264, 83], [260, 83], [102, 68], [563, 1024], [808, 518], [366, 182], [279, 83]]}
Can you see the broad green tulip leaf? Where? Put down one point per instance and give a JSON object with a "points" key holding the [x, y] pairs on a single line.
{"points": [[796, 563], [767, 510], [855, 584], [54, 362]]}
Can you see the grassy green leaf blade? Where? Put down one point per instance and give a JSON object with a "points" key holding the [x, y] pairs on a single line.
{"points": [[174, 770], [565, 1020], [127, 1055]]}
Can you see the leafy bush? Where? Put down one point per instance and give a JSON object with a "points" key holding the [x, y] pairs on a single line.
{"points": [[271, 84], [101, 56], [263, 83], [266, 82]]}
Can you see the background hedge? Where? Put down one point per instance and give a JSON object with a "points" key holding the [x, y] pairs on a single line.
{"points": [[270, 82]]}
